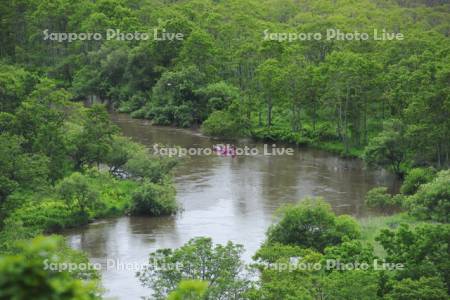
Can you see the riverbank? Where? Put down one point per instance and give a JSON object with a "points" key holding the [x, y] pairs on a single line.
{"points": [[323, 138], [326, 141]]}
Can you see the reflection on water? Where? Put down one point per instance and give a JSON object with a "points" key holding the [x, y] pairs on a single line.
{"points": [[222, 197]]}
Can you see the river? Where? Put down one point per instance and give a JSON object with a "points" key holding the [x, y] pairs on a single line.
{"points": [[222, 197]]}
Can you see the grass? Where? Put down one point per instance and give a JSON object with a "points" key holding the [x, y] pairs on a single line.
{"points": [[337, 148], [371, 227]]}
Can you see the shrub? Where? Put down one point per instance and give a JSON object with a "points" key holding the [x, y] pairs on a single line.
{"points": [[275, 134], [312, 224], [222, 124], [23, 276], [77, 191], [415, 178], [154, 200], [379, 198], [432, 200], [136, 102], [47, 216], [139, 113]]}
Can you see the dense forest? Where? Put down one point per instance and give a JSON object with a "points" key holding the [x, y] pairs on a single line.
{"points": [[272, 70]]}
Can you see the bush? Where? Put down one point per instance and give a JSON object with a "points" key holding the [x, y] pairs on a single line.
{"points": [[23, 276], [432, 200], [415, 178], [139, 113], [141, 165], [312, 224], [154, 200], [78, 192], [47, 216], [135, 103], [222, 124], [380, 198], [274, 134]]}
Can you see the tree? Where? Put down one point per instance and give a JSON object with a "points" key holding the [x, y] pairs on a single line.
{"points": [[199, 50], [380, 198], [415, 178], [174, 100], [311, 224], [40, 119], [388, 148], [423, 251], [224, 124], [269, 76], [94, 141], [189, 290], [354, 284], [218, 265], [154, 200], [425, 288], [23, 275], [349, 80], [19, 169], [77, 191], [15, 84], [432, 200]]}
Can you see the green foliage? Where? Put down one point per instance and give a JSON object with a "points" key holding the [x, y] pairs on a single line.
{"points": [[141, 165], [23, 275], [78, 193], [275, 251], [351, 85], [189, 290], [424, 250], [380, 198], [273, 134], [312, 224], [46, 216], [20, 169], [218, 265], [15, 83], [174, 100], [93, 142], [426, 288], [357, 284], [225, 75], [154, 200], [415, 178], [350, 252], [388, 148], [223, 124], [432, 200], [307, 282]]}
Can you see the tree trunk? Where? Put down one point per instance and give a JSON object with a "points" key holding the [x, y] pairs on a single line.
{"points": [[269, 113]]}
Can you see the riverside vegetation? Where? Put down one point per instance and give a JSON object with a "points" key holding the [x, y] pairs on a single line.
{"points": [[64, 165]]}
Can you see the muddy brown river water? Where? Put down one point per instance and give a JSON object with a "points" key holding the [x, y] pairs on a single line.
{"points": [[222, 197]]}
